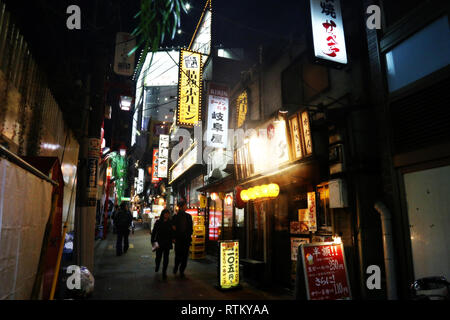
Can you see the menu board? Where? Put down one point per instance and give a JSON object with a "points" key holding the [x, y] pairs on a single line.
{"points": [[325, 271]]}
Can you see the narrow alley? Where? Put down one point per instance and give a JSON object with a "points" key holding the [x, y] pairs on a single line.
{"points": [[132, 276]]}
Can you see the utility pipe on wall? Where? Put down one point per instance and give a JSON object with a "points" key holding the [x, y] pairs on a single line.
{"points": [[388, 248]]}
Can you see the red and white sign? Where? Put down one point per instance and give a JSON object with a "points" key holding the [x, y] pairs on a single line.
{"points": [[328, 31], [218, 109], [155, 178], [325, 271]]}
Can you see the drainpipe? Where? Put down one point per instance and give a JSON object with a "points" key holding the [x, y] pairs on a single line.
{"points": [[388, 248]]}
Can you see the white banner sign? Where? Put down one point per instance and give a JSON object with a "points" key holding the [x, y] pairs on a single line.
{"points": [[218, 109], [163, 160], [328, 31], [140, 181]]}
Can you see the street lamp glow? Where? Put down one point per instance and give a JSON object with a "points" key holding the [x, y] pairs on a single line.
{"points": [[179, 31], [188, 6]]}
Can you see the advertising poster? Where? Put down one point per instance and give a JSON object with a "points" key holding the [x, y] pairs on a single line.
{"points": [[325, 271]]}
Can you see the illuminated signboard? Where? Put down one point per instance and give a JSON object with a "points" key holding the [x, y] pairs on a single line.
{"points": [[140, 181], [155, 178], [163, 159], [189, 89], [242, 106], [183, 164], [306, 129], [328, 31], [229, 264], [296, 137], [217, 132]]}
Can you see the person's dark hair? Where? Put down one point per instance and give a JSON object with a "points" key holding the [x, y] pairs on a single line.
{"points": [[181, 203], [123, 205], [163, 213]]}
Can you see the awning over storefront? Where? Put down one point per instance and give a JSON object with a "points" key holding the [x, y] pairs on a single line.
{"points": [[222, 185], [301, 173]]}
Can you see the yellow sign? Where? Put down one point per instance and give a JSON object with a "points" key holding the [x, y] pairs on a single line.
{"points": [[189, 89], [229, 264], [242, 106], [202, 202]]}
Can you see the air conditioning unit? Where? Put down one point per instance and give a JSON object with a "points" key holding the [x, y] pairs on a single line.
{"points": [[338, 193]]}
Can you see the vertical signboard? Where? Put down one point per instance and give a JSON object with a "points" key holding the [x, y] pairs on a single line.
{"points": [[163, 159], [242, 106], [155, 178], [189, 89], [140, 181], [306, 129], [295, 137], [124, 63], [312, 212], [217, 132], [325, 271], [229, 264], [328, 31], [94, 150]]}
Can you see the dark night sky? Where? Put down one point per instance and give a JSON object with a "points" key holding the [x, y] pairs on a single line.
{"points": [[65, 54]]}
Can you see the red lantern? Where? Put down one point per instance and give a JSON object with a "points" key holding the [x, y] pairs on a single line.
{"points": [[239, 203]]}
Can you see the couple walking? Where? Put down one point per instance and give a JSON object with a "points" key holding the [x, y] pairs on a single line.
{"points": [[179, 231]]}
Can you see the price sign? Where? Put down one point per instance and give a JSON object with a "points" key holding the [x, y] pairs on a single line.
{"points": [[325, 271]]}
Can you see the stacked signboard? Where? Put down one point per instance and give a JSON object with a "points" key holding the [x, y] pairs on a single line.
{"points": [[197, 249]]}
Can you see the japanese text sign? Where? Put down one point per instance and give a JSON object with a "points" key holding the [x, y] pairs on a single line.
{"points": [[325, 271], [242, 106], [189, 89], [229, 264], [217, 133], [163, 160], [328, 31], [155, 178]]}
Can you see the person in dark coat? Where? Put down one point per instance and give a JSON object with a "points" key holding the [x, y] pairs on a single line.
{"points": [[182, 226], [123, 223], [162, 234]]}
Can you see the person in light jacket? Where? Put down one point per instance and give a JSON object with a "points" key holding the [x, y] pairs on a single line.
{"points": [[162, 235]]}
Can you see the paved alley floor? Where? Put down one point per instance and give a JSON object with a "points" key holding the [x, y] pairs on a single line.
{"points": [[132, 276]]}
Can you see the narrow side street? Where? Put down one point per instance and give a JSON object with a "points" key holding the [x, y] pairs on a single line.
{"points": [[132, 276]]}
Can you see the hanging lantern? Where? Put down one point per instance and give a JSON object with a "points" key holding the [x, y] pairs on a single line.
{"points": [[240, 198], [109, 172], [244, 195], [265, 190], [258, 192], [251, 193], [213, 196], [274, 190]]}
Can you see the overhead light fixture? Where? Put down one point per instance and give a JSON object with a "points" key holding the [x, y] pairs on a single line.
{"points": [[179, 31], [106, 150], [188, 6]]}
